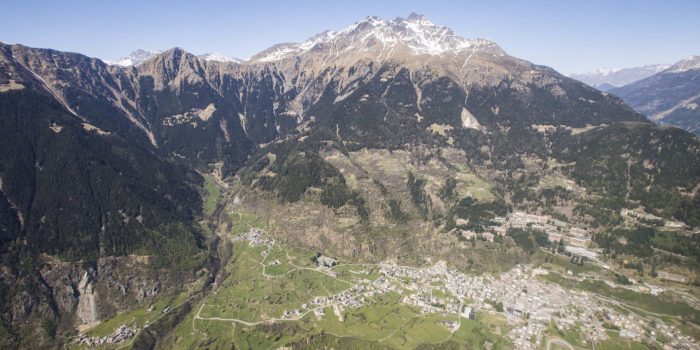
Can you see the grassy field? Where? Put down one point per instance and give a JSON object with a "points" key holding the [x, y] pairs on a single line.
{"points": [[194, 334], [373, 322], [249, 295], [137, 318], [356, 273], [242, 221], [617, 343], [213, 192], [570, 335], [475, 335], [424, 329], [496, 323], [661, 304], [563, 264], [382, 322]]}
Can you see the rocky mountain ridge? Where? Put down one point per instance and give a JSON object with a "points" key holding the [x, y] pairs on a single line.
{"points": [[669, 97], [610, 78], [107, 160]]}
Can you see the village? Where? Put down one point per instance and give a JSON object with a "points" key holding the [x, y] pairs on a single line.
{"points": [[529, 304], [576, 239], [120, 334]]}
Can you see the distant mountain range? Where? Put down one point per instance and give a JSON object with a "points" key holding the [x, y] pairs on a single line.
{"points": [[607, 78], [671, 96], [218, 57], [134, 58], [140, 55]]}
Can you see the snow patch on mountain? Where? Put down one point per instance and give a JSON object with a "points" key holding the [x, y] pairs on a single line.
{"points": [[415, 32], [605, 78], [691, 62], [218, 57], [135, 58]]}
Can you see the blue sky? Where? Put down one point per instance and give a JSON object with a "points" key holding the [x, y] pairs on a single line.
{"points": [[570, 36]]}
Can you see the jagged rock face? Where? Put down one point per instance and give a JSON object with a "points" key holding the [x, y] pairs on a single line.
{"points": [[28, 306], [87, 308], [134, 58], [409, 69], [114, 284], [64, 295]]}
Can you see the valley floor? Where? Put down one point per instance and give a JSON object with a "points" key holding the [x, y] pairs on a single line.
{"points": [[274, 295]]}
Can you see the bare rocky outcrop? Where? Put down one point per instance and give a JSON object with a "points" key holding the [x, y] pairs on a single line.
{"points": [[117, 284], [87, 308]]}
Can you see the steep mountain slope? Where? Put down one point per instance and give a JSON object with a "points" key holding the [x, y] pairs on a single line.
{"points": [[415, 54], [382, 140], [606, 79], [77, 202], [413, 73], [670, 97]]}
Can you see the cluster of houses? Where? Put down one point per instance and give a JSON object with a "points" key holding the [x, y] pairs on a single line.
{"points": [[325, 261], [120, 334], [672, 277], [529, 304], [353, 297], [291, 314], [255, 238], [429, 303], [555, 229], [639, 216]]}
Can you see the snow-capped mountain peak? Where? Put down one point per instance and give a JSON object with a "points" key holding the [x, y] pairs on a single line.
{"points": [[135, 58], [605, 71], [605, 78], [691, 62], [219, 57], [415, 33]]}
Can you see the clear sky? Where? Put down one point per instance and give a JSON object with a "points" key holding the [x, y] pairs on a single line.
{"points": [[570, 36]]}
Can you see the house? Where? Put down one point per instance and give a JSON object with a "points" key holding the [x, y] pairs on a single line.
{"points": [[467, 234], [576, 242], [499, 230], [672, 277], [554, 236], [469, 313], [578, 232], [582, 252], [324, 261]]}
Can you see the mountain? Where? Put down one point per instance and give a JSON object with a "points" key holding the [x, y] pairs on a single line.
{"points": [[689, 63], [85, 214], [218, 57], [139, 56], [606, 79], [380, 39], [669, 97], [385, 140], [417, 53], [134, 59]]}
